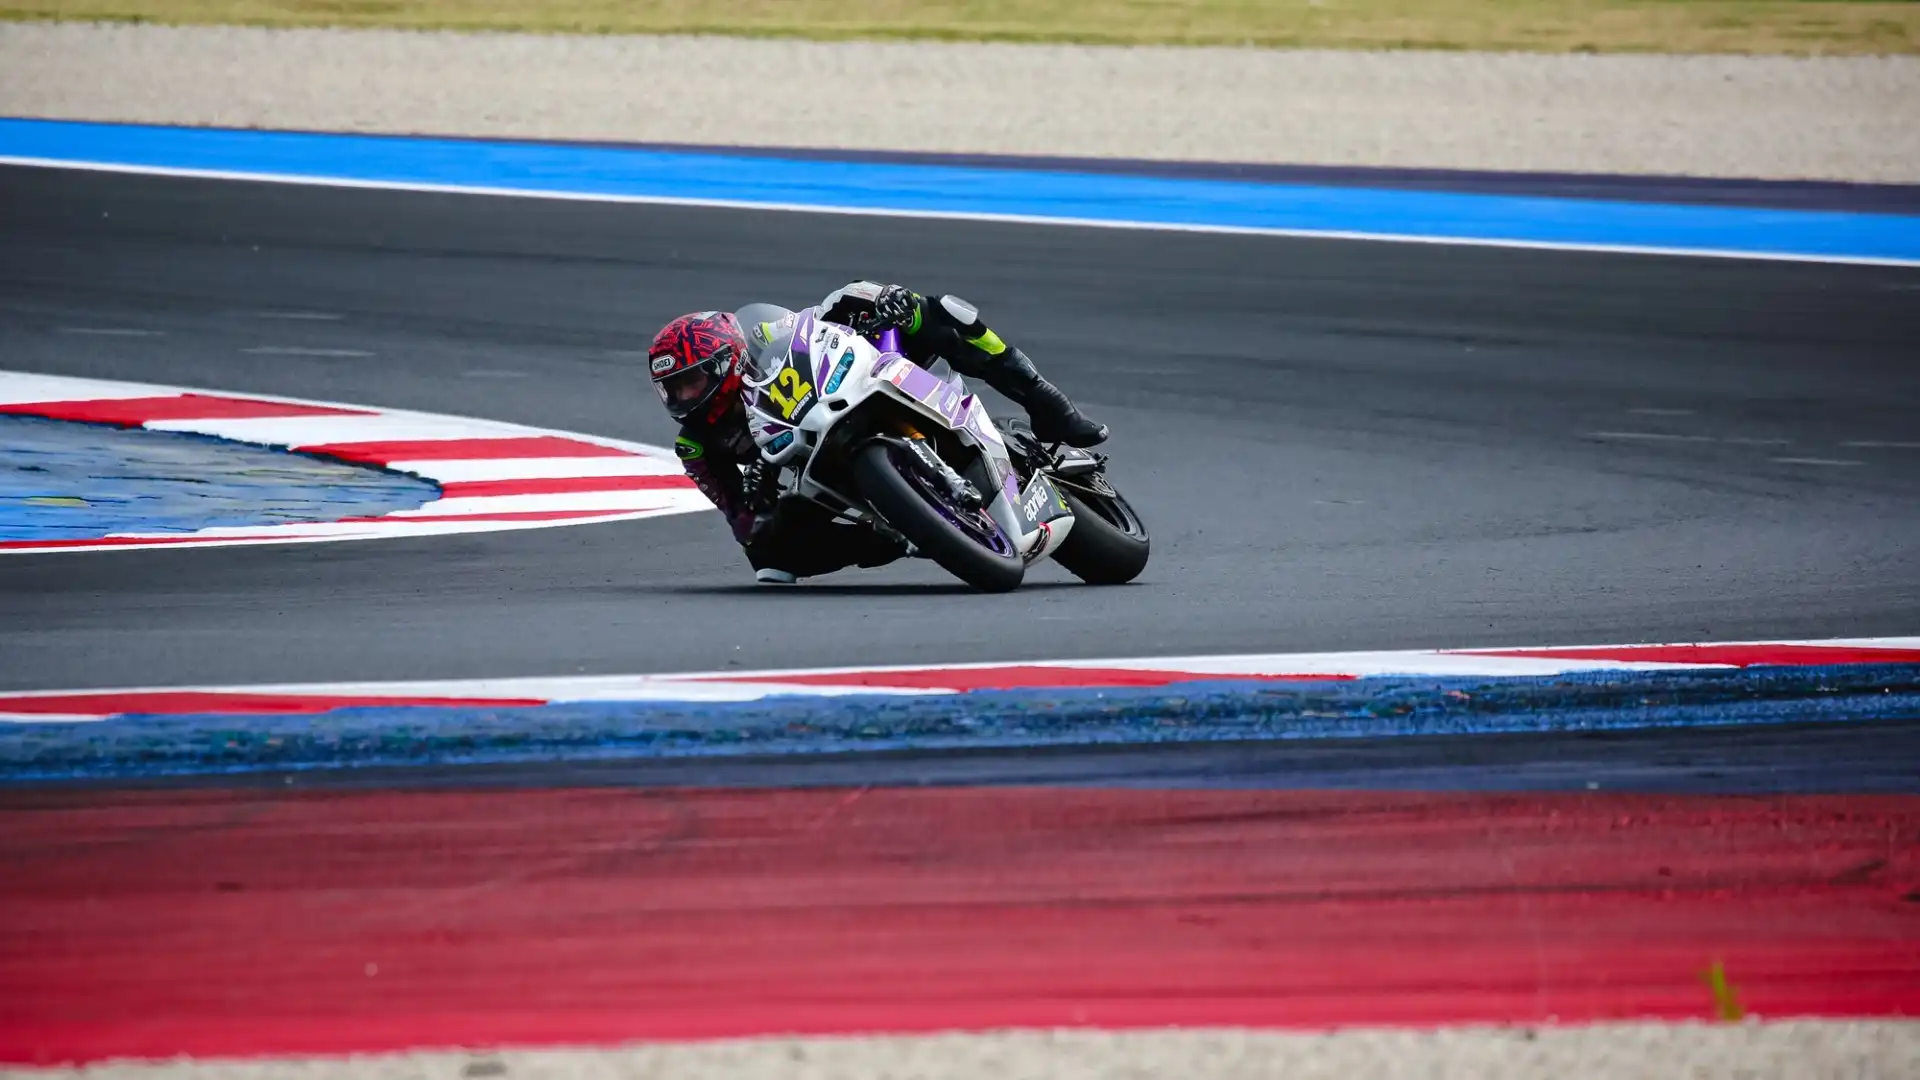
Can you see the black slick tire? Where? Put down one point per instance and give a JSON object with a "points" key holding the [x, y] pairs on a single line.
{"points": [[896, 500], [1098, 551]]}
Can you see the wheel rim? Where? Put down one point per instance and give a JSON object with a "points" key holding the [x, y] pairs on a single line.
{"points": [[976, 525]]}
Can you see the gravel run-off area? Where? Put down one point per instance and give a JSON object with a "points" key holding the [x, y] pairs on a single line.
{"points": [[1795, 1050], [1838, 118]]}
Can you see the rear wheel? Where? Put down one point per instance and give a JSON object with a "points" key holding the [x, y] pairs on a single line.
{"points": [[969, 544], [1108, 544]]}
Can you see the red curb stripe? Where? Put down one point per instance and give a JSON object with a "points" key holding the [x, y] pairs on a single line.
{"points": [[242, 923], [563, 485], [132, 412], [516, 446], [1735, 655], [190, 702], [1017, 677]]}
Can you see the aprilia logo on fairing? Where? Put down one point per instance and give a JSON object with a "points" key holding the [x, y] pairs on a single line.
{"points": [[1035, 500]]}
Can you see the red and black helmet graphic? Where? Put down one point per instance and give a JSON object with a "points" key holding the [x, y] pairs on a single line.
{"points": [[696, 362]]}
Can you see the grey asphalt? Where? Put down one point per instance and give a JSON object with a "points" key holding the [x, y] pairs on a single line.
{"points": [[1339, 445]]}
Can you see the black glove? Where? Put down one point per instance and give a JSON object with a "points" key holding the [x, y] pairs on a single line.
{"points": [[894, 308], [760, 483]]}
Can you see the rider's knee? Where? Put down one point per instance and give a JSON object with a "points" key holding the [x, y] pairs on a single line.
{"points": [[956, 313], [976, 347]]}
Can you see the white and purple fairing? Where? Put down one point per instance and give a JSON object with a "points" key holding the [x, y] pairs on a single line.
{"points": [[842, 369]]}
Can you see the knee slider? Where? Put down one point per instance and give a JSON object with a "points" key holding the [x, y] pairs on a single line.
{"points": [[966, 322], [965, 316]]}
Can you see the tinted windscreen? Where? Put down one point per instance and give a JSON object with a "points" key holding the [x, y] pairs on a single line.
{"points": [[769, 330]]}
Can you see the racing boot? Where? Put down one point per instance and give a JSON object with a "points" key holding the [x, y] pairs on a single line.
{"points": [[1055, 417]]}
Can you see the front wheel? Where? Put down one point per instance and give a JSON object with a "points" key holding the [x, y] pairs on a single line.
{"points": [[969, 544], [1108, 544]]}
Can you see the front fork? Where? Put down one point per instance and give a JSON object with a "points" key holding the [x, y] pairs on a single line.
{"points": [[958, 487]]}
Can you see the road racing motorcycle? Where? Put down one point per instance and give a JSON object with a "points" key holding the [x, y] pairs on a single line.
{"points": [[849, 422]]}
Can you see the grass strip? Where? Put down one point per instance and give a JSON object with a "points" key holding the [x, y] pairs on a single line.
{"points": [[1794, 27]]}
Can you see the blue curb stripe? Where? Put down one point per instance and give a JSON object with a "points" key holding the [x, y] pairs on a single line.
{"points": [[957, 191], [1192, 713]]}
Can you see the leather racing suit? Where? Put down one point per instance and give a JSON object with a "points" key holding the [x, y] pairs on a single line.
{"points": [[799, 538]]}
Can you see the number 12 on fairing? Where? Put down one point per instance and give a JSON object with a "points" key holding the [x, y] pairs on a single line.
{"points": [[789, 391]]}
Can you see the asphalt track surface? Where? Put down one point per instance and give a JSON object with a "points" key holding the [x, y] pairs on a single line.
{"points": [[1338, 445]]}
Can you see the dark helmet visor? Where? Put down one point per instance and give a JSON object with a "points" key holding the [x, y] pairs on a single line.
{"points": [[685, 390]]}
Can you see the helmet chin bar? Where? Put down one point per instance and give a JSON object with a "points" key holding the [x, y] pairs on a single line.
{"points": [[722, 400]]}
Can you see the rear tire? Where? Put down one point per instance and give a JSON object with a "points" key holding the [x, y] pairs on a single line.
{"points": [[908, 512], [1108, 544]]}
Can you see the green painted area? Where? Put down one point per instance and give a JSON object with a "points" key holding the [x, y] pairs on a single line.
{"points": [[1682, 26]]}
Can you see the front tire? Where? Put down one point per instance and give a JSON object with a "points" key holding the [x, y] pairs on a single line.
{"points": [[1109, 543], [909, 512]]}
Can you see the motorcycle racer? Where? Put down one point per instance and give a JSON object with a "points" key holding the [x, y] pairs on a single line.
{"points": [[949, 328], [700, 363]]}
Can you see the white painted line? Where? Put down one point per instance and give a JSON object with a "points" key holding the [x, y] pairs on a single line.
{"points": [[543, 504], [302, 350], [1738, 441], [1380, 663], [1813, 461], [324, 430], [1870, 444], [111, 331], [819, 682], [18, 387], [955, 215], [453, 472], [300, 316], [50, 718]]}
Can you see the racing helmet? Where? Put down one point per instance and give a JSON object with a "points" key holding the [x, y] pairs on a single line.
{"points": [[697, 362]]}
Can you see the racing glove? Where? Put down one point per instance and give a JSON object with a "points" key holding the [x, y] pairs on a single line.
{"points": [[897, 307], [760, 484]]}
